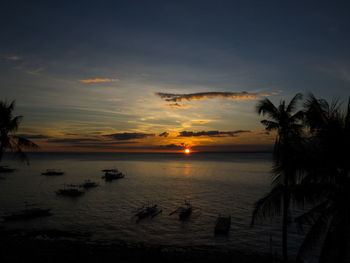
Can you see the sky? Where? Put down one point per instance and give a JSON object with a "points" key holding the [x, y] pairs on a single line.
{"points": [[166, 75]]}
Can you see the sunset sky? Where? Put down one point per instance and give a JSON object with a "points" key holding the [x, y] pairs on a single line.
{"points": [[165, 75]]}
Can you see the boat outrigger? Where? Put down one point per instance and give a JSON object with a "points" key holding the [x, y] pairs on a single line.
{"points": [[27, 214], [148, 211], [49, 172], [112, 174], [222, 225]]}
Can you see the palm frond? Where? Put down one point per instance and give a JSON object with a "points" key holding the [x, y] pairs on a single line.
{"points": [[13, 124], [292, 104], [336, 240], [282, 108], [311, 216], [270, 125], [309, 193], [266, 107], [347, 118], [334, 107], [20, 155], [18, 144], [269, 205], [316, 112], [12, 105], [316, 231], [25, 143], [298, 116]]}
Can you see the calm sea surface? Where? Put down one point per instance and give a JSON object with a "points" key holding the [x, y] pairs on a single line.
{"points": [[215, 183]]}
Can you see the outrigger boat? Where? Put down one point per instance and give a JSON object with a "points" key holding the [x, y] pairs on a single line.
{"points": [[89, 184], [148, 211], [6, 169], [222, 225], [183, 211], [27, 214], [52, 172], [112, 174]]}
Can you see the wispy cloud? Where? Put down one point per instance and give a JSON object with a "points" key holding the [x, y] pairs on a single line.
{"points": [[98, 80], [30, 67], [338, 69], [129, 136], [199, 122], [91, 143], [178, 106], [35, 71], [174, 97], [212, 133], [115, 99], [14, 58]]}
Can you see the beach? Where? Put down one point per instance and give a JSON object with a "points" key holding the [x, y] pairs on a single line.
{"points": [[41, 246]]}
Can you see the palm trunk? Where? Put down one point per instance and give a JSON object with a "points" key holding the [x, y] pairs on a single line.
{"points": [[1, 151], [286, 199]]}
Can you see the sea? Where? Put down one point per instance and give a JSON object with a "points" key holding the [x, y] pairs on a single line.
{"points": [[214, 183]]}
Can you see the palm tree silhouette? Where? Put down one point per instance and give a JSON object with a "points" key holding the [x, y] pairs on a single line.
{"points": [[8, 128], [289, 127], [327, 181]]}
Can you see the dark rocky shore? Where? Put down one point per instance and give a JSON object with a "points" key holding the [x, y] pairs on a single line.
{"points": [[59, 246]]}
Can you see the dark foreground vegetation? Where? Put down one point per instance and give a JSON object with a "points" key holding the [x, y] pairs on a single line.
{"points": [[311, 171]]}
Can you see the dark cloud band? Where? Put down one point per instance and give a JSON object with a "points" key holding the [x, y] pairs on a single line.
{"points": [[164, 134], [212, 133], [33, 136], [72, 140], [173, 97], [129, 136]]}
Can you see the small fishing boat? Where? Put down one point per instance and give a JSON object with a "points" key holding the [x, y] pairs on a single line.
{"points": [[222, 225], [89, 184], [148, 211], [112, 174], [6, 169], [49, 172], [72, 192], [109, 170], [27, 214], [183, 211]]}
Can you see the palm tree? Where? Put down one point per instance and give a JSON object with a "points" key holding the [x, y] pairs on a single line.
{"points": [[8, 128], [288, 142], [327, 181]]}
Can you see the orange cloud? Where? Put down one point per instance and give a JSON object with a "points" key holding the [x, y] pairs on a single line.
{"points": [[200, 121], [97, 80]]}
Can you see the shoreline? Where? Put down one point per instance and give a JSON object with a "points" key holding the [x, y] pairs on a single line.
{"points": [[58, 246]]}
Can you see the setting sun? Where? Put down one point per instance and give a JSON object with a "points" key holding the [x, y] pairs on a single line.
{"points": [[187, 151]]}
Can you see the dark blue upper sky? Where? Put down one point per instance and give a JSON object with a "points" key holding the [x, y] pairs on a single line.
{"points": [[271, 47]]}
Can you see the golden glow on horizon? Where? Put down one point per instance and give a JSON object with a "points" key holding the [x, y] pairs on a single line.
{"points": [[187, 151], [170, 141], [97, 80]]}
